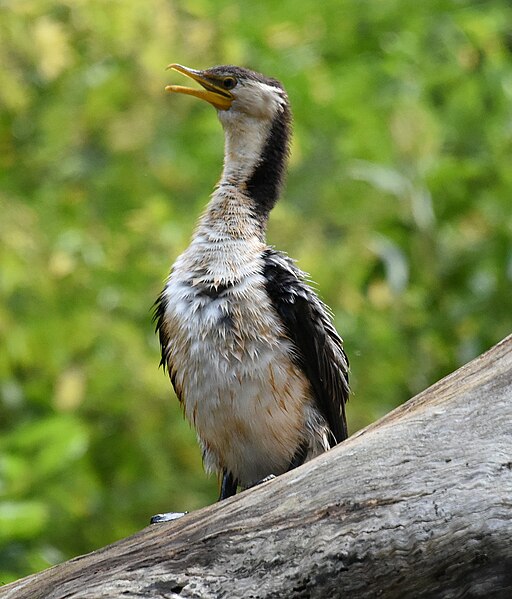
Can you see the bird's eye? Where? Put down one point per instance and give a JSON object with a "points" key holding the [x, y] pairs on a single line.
{"points": [[229, 82]]}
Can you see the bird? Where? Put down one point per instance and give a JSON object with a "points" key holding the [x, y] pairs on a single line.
{"points": [[252, 352]]}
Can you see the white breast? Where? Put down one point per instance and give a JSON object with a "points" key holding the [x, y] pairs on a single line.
{"points": [[251, 406]]}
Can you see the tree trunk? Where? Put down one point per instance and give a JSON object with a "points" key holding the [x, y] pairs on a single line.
{"points": [[416, 505]]}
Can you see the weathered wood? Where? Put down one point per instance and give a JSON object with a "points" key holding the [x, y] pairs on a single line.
{"points": [[417, 505]]}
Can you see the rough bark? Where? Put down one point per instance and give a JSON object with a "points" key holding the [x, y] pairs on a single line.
{"points": [[416, 505]]}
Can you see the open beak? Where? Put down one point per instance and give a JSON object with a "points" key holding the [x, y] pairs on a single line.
{"points": [[212, 93]]}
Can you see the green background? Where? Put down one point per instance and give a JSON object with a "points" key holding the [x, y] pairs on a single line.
{"points": [[397, 203]]}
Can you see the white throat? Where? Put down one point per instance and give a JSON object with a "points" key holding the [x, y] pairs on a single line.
{"points": [[245, 139]]}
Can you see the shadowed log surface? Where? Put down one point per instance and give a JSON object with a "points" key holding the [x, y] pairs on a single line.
{"points": [[417, 505]]}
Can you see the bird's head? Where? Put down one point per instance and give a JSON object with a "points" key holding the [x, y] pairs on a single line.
{"points": [[235, 91], [256, 117]]}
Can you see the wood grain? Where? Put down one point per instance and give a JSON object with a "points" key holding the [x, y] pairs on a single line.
{"points": [[417, 505]]}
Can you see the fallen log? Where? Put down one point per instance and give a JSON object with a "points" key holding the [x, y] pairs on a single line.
{"points": [[418, 505]]}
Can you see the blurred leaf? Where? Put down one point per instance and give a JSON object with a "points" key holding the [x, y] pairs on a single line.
{"points": [[21, 520], [51, 444]]}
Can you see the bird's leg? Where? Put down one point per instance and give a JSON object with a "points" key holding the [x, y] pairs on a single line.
{"points": [[228, 486], [166, 517], [299, 457]]}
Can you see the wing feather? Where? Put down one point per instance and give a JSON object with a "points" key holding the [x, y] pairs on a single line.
{"points": [[319, 348], [164, 338]]}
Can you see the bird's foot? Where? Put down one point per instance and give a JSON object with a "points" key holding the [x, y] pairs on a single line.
{"points": [[167, 517], [263, 480]]}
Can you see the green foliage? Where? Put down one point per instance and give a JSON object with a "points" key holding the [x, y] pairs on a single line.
{"points": [[398, 204]]}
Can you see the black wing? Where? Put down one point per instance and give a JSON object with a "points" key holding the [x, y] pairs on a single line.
{"points": [[319, 348], [159, 308]]}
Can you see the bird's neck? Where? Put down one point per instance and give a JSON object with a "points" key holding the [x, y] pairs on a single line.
{"points": [[254, 163], [255, 156], [244, 142], [228, 239], [229, 216]]}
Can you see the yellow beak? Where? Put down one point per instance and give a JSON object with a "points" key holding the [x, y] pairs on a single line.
{"points": [[212, 92]]}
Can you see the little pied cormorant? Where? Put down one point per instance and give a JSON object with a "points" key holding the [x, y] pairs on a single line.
{"points": [[251, 350]]}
